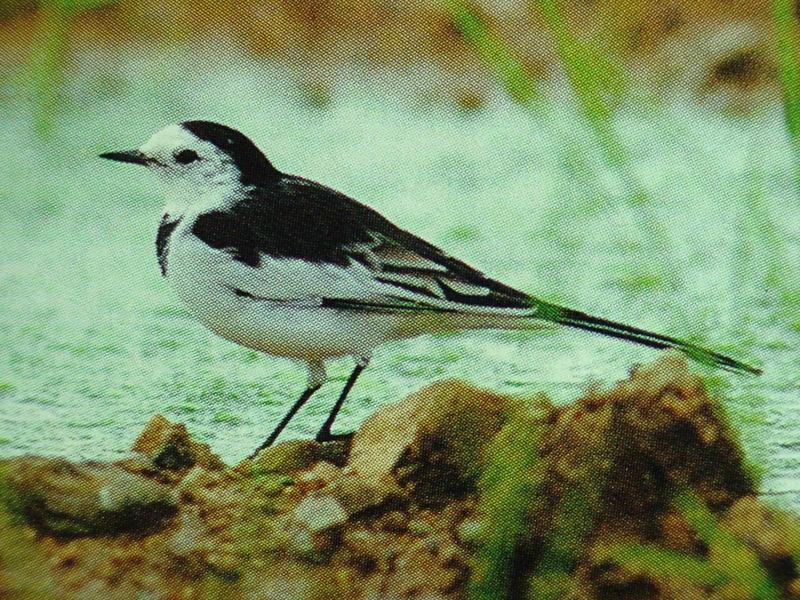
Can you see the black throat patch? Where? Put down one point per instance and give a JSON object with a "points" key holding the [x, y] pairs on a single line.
{"points": [[165, 230]]}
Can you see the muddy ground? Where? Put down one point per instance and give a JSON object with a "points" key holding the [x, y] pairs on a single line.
{"points": [[637, 492]]}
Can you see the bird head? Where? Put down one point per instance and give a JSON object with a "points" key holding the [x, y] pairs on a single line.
{"points": [[194, 156]]}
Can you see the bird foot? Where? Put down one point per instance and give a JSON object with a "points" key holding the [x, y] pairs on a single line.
{"points": [[325, 437]]}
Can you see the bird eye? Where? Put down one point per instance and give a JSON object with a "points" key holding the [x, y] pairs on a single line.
{"points": [[186, 156]]}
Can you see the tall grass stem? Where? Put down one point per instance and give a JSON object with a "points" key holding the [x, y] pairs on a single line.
{"points": [[788, 59], [494, 52]]}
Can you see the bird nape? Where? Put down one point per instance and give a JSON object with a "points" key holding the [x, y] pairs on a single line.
{"points": [[293, 268]]}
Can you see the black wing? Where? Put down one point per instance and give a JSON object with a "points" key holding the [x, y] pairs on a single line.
{"points": [[301, 219]]}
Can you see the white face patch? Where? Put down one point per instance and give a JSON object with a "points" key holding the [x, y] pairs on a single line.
{"points": [[168, 139], [208, 178]]}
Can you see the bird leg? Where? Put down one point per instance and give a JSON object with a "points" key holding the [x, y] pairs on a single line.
{"points": [[316, 377], [285, 421], [325, 434]]}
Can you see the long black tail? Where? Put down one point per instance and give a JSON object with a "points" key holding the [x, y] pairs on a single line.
{"points": [[579, 320]]}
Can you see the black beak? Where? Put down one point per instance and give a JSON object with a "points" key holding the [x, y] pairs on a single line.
{"points": [[127, 156]]}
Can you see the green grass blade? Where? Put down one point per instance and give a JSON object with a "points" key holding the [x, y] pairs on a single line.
{"points": [[494, 52], [509, 491], [788, 57], [572, 523], [663, 563], [595, 79], [49, 56], [731, 557], [47, 66]]}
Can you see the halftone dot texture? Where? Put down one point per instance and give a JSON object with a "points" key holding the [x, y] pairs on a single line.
{"points": [[694, 237]]}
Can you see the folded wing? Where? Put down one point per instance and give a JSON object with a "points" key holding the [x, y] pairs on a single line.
{"points": [[303, 240]]}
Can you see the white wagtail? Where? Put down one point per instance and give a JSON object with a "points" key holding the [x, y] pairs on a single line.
{"points": [[292, 268]]}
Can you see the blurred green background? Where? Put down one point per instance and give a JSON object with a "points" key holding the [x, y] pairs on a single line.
{"points": [[637, 160]]}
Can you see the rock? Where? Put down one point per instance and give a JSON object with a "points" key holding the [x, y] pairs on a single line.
{"points": [[469, 532], [319, 512], [773, 535], [202, 486], [225, 561], [276, 587], [301, 543], [171, 448], [320, 475], [139, 464], [67, 498], [355, 494], [24, 572], [187, 540], [630, 447], [419, 527], [431, 442], [292, 456], [395, 521], [663, 414], [196, 478], [308, 530], [287, 457], [419, 571], [189, 544], [369, 551]]}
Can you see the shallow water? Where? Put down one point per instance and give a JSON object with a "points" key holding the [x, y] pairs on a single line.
{"points": [[93, 343]]}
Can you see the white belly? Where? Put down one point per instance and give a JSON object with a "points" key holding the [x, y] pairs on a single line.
{"points": [[202, 278]]}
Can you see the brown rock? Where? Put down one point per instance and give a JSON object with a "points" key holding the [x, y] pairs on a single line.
{"points": [[356, 494], [187, 538], [86, 498], [171, 448], [206, 487], [666, 416], [623, 453], [189, 543], [432, 441], [404, 518], [277, 586], [320, 475], [300, 542], [288, 457], [24, 572], [225, 561], [368, 550], [395, 521], [774, 536], [677, 533], [420, 571]]}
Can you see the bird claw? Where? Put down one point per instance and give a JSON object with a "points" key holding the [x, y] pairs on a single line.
{"points": [[326, 437]]}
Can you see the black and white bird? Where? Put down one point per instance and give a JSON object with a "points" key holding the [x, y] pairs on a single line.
{"points": [[293, 268]]}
